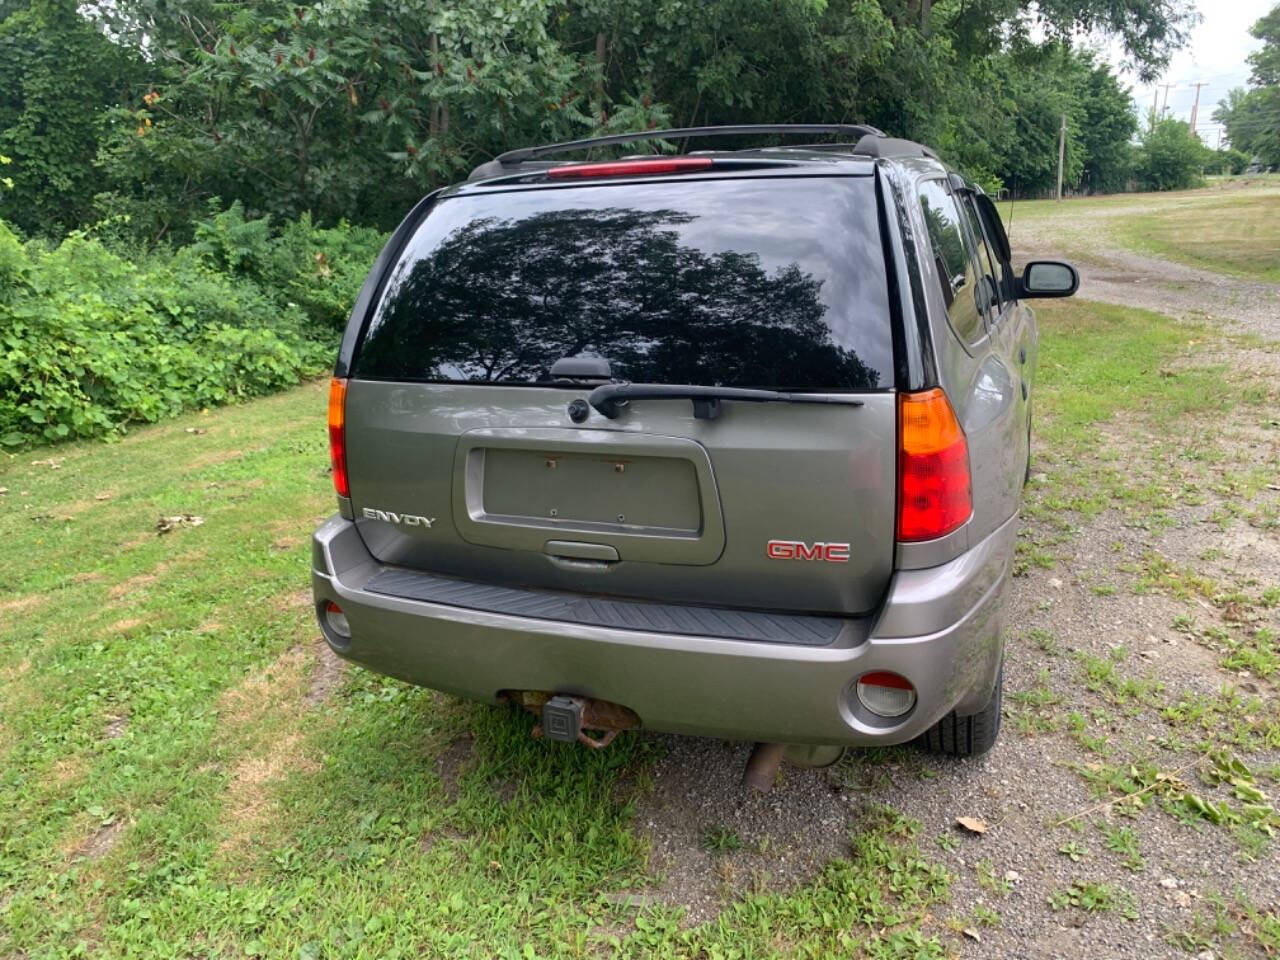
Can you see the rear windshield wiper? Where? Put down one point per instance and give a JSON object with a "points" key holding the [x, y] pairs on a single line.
{"points": [[610, 398]]}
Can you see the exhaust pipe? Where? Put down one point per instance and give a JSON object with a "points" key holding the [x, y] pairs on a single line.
{"points": [[762, 766]]}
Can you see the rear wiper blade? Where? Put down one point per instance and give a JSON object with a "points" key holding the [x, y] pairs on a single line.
{"points": [[610, 398]]}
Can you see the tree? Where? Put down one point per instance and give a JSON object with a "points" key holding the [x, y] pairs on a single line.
{"points": [[61, 76], [1252, 117], [1170, 158]]}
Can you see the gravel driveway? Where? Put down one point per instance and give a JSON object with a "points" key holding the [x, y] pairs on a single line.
{"points": [[1148, 880]]}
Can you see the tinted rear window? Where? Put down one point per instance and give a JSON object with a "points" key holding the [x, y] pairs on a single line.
{"points": [[768, 282]]}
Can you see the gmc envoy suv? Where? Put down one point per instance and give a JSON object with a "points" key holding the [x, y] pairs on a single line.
{"points": [[728, 443]]}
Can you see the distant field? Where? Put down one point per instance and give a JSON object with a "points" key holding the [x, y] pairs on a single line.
{"points": [[1239, 235], [1231, 227]]}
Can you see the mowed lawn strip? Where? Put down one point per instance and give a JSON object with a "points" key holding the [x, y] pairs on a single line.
{"points": [[176, 777], [1238, 235]]}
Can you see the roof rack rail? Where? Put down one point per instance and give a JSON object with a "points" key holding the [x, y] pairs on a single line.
{"points": [[680, 133], [871, 142], [883, 146]]}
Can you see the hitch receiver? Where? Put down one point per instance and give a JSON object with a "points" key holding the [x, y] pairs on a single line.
{"points": [[562, 718]]}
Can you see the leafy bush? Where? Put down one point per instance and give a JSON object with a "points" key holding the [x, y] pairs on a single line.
{"points": [[93, 341], [1170, 158], [319, 269]]}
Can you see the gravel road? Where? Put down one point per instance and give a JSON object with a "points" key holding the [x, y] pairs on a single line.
{"points": [[1089, 606]]}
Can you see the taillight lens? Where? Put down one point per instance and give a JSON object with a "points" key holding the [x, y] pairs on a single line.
{"points": [[886, 694], [627, 168], [338, 435], [933, 467]]}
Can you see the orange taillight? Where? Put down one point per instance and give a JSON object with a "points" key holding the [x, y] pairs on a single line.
{"points": [[338, 435], [933, 467]]}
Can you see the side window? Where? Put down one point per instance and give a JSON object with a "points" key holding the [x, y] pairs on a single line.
{"points": [[989, 282], [953, 259]]}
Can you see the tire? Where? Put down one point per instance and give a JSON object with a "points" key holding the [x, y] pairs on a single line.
{"points": [[970, 736]]}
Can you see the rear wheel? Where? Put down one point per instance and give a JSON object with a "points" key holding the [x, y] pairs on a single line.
{"points": [[967, 736]]}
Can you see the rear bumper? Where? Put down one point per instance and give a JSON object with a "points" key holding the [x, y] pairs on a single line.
{"points": [[939, 627]]}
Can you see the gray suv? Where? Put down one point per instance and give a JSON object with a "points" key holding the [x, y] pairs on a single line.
{"points": [[728, 443]]}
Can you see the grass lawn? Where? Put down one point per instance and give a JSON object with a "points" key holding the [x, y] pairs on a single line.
{"points": [[1239, 235], [183, 772], [1232, 227]]}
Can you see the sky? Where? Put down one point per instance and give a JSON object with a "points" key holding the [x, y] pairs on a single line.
{"points": [[1215, 57]]}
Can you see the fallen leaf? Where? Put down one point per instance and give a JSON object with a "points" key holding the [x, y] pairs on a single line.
{"points": [[4, 490], [166, 524], [103, 496], [973, 824], [972, 934]]}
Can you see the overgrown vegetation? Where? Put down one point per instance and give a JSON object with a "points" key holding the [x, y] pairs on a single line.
{"points": [[353, 111], [95, 339]]}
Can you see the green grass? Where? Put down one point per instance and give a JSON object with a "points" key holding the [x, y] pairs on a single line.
{"points": [[1238, 235], [180, 775]]}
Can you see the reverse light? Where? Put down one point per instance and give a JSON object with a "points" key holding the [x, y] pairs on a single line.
{"points": [[338, 435], [934, 494], [336, 620], [886, 694], [626, 168]]}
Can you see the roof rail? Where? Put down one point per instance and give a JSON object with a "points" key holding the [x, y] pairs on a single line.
{"points": [[883, 146], [871, 143], [512, 158]]}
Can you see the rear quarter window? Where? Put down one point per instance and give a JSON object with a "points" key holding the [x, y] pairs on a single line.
{"points": [[953, 261], [773, 282]]}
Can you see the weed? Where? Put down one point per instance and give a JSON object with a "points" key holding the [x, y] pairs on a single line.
{"points": [[1095, 898], [721, 840]]}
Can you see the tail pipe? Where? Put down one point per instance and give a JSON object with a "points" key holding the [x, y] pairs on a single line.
{"points": [[762, 766]]}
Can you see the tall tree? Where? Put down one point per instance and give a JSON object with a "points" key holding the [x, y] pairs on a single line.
{"points": [[1252, 117], [61, 74]]}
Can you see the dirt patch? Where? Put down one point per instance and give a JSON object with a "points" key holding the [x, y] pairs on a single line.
{"points": [[211, 458], [326, 673], [15, 672], [251, 799], [711, 840], [258, 713], [125, 625], [451, 763], [67, 770], [23, 604], [100, 843], [279, 683], [286, 543], [137, 582], [290, 602], [116, 726]]}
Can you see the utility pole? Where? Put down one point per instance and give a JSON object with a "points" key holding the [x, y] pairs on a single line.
{"points": [[1164, 106], [1195, 108], [1062, 151]]}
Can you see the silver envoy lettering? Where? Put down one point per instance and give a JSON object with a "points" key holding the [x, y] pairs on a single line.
{"points": [[404, 519]]}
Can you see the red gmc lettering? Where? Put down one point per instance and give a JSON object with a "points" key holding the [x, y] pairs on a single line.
{"points": [[799, 550], [781, 550]]}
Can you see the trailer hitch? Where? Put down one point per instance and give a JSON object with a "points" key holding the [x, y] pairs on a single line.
{"points": [[568, 718]]}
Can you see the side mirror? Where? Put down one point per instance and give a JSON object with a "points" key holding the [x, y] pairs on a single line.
{"points": [[1048, 278]]}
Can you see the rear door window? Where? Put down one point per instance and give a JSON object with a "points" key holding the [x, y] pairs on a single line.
{"points": [[772, 282], [954, 261], [989, 294]]}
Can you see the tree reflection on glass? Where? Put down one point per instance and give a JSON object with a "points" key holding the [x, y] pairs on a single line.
{"points": [[500, 300]]}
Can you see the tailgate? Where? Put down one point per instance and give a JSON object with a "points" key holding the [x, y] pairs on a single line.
{"points": [[782, 506]]}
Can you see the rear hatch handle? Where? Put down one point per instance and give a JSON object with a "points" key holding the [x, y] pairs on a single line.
{"points": [[611, 398]]}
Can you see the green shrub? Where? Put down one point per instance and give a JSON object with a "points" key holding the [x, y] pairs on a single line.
{"points": [[93, 341]]}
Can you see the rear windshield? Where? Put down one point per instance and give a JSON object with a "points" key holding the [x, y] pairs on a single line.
{"points": [[768, 282]]}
